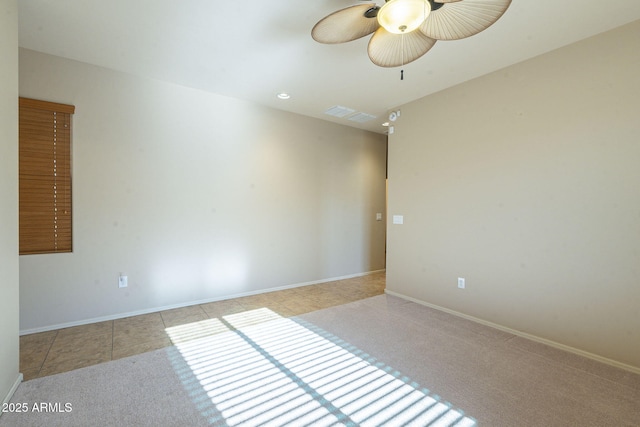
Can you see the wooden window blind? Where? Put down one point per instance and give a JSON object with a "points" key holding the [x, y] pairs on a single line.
{"points": [[44, 177]]}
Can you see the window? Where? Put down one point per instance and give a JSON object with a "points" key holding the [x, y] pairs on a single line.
{"points": [[45, 177]]}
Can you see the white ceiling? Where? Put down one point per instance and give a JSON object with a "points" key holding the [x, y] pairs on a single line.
{"points": [[254, 50]]}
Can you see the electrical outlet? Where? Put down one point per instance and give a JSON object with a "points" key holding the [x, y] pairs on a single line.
{"points": [[123, 282], [461, 284]]}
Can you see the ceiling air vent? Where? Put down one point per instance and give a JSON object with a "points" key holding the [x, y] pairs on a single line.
{"points": [[339, 111], [361, 117]]}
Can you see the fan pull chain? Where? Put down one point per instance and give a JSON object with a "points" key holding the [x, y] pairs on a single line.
{"points": [[402, 56]]}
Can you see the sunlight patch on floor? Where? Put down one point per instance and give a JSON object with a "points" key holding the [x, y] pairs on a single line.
{"points": [[258, 368], [192, 331]]}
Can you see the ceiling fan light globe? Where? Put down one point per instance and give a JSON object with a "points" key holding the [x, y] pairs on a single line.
{"points": [[403, 16]]}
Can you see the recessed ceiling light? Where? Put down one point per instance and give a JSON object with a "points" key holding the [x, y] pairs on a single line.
{"points": [[385, 124], [284, 95]]}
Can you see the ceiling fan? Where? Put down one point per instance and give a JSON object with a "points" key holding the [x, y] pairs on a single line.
{"points": [[404, 30]]}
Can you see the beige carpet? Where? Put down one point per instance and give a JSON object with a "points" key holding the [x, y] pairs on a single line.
{"points": [[379, 361]]}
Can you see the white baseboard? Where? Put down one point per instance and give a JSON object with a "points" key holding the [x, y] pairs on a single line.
{"points": [[12, 390], [535, 338], [186, 304]]}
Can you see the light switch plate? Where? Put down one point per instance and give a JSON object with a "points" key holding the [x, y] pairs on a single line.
{"points": [[398, 219]]}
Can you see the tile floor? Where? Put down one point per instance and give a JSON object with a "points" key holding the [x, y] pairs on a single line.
{"points": [[62, 350]]}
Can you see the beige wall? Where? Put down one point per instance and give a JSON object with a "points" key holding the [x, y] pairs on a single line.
{"points": [[526, 182], [9, 346], [196, 197]]}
